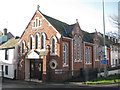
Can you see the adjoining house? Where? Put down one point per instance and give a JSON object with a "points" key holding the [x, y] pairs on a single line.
{"points": [[51, 50], [115, 53], [9, 58], [5, 36], [0, 33]]}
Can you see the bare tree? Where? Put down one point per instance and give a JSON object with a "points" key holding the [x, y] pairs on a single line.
{"points": [[115, 22]]}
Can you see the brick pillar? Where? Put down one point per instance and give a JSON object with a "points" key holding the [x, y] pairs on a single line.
{"points": [[46, 58]]}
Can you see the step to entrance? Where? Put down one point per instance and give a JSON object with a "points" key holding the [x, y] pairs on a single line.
{"points": [[34, 80]]}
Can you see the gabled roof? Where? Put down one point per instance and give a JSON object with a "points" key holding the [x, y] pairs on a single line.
{"points": [[58, 25], [10, 43], [88, 37]]}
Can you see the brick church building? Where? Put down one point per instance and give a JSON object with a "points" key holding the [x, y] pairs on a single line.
{"points": [[51, 50]]}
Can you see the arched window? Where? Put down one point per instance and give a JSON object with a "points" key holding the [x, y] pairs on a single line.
{"points": [[42, 42], [36, 22], [53, 42], [53, 45], [30, 42], [75, 46], [22, 47], [36, 42], [65, 54], [80, 49]]}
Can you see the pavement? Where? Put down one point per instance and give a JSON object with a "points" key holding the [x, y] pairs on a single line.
{"points": [[8, 83]]}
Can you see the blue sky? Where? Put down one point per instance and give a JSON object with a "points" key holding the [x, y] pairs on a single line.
{"points": [[16, 14]]}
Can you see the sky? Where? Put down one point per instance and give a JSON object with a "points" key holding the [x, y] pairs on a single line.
{"points": [[16, 14]]}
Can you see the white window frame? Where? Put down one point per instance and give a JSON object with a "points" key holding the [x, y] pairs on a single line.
{"points": [[34, 21], [65, 57], [80, 50], [88, 55], [44, 36], [33, 41], [75, 46], [53, 37]]}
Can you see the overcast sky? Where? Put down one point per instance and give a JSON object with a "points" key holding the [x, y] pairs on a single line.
{"points": [[16, 14]]}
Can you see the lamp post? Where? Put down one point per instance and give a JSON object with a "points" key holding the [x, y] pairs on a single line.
{"points": [[105, 66]]}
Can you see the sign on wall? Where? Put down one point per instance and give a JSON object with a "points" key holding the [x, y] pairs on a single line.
{"points": [[103, 61]]}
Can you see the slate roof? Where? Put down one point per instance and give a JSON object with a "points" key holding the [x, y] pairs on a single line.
{"points": [[58, 25], [10, 43], [108, 42], [65, 29]]}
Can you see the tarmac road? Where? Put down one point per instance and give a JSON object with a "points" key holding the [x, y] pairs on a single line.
{"points": [[7, 83]]}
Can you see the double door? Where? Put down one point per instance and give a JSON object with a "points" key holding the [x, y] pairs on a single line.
{"points": [[36, 69]]}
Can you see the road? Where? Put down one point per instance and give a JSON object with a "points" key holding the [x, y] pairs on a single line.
{"points": [[7, 83]]}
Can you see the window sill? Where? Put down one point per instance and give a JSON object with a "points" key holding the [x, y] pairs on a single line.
{"points": [[78, 60], [65, 65], [88, 63], [96, 60]]}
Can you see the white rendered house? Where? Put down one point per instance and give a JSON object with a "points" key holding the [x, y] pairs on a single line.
{"points": [[115, 56], [8, 58]]}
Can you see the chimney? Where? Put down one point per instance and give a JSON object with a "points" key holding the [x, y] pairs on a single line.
{"points": [[76, 20], [4, 31]]}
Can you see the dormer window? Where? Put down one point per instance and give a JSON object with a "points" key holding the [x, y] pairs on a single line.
{"points": [[37, 22]]}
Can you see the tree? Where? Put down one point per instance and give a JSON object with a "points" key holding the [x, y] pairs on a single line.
{"points": [[116, 23]]}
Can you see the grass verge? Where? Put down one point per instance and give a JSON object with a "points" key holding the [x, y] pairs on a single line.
{"points": [[102, 80]]}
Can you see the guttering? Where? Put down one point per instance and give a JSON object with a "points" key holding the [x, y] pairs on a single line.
{"points": [[89, 43], [67, 38]]}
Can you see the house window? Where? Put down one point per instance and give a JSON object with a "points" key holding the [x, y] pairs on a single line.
{"points": [[53, 42], [42, 42], [113, 61], [65, 54], [36, 42], [6, 54], [39, 22], [2, 68], [30, 42], [6, 70], [33, 24], [36, 22], [75, 45], [80, 49], [107, 54], [119, 61], [116, 62], [53, 45], [88, 54], [22, 47]]}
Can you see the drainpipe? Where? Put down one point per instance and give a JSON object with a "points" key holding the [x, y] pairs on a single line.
{"points": [[72, 57]]}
